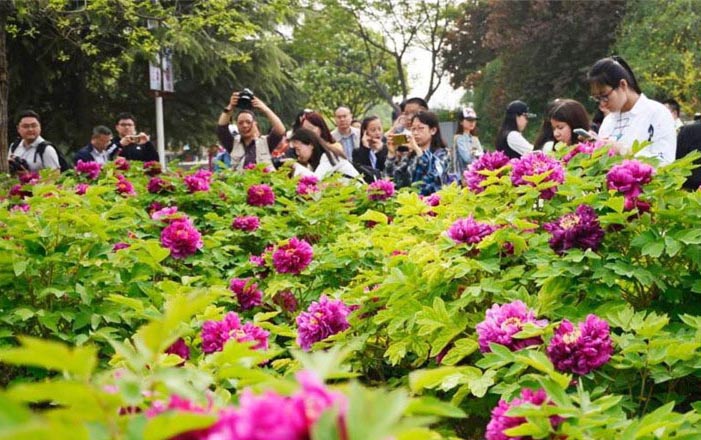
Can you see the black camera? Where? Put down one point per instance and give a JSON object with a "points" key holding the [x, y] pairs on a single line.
{"points": [[245, 101], [17, 165]]}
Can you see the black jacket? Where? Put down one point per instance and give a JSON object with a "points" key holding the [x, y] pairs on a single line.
{"points": [[140, 152], [688, 140], [361, 162], [85, 154]]}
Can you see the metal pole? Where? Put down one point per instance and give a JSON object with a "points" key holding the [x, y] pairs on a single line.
{"points": [[160, 131]]}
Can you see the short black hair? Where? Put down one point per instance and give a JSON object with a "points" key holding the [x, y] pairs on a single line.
{"points": [[101, 130], [124, 115], [674, 104], [416, 100], [28, 114]]}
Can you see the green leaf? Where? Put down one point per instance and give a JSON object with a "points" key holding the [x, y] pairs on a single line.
{"points": [[653, 249], [169, 424], [429, 405], [53, 356], [374, 216], [461, 349]]}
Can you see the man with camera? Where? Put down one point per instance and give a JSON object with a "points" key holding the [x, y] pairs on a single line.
{"points": [[130, 144], [98, 148], [31, 152], [248, 147]]}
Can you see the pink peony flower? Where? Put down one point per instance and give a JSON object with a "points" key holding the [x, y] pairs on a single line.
{"points": [[166, 214], [81, 188], [119, 246], [152, 168], [293, 256], [89, 169], [380, 190], [260, 195], [307, 185], [179, 348], [247, 293], [581, 349], [28, 177], [578, 229], [321, 320], [199, 181], [432, 200], [216, 333], [491, 161], [632, 203], [316, 398], [268, 416], [257, 260], [175, 403], [156, 185], [629, 177], [286, 300], [587, 147], [19, 191], [121, 163], [535, 164], [467, 230], [124, 186], [502, 322], [22, 207], [246, 223], [181, 237], [500, 422]]}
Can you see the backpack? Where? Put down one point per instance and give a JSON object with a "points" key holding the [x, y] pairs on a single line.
{"points": [[63, 163]]}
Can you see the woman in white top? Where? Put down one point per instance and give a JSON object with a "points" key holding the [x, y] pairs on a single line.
{"points": [[315, 158], [633, 116], [510, 140]]}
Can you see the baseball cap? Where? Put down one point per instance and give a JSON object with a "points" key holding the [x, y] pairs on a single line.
{"points": [[468, 113], [519, 108]]}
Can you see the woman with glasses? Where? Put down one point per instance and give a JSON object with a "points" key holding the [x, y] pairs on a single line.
{"points": [[633, 116], [510, 139]]}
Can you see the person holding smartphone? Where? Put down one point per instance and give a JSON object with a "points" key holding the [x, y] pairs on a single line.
{"points": [[370, 158], [570, 122], [131, 144], [633, 117]]}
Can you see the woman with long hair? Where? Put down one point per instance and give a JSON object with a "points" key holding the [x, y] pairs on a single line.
{"points": [[314, 157], [510, 138], [466, 144], [313, 121], [426, 160], [633, 117], [371, 156], [565, 117]]}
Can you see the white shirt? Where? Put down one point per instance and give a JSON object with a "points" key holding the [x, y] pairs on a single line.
{"points": [[325, 168], [100, 157], [350, 141], [647, 120], [518, 143], [50, 157]]}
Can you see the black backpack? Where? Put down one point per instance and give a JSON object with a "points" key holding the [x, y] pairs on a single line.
{"points": [[63, 163]]}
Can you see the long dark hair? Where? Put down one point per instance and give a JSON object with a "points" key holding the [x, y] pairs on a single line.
{"points": [[507, 126], [318, 121], [430, 119], [572, 113], [318, 146], [364, 126], [461, 130], [611, 71], [545, 134]]}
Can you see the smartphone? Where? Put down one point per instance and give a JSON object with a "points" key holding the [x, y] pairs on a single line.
{"points": [[584, 134], [400, 139], [133, 137]]}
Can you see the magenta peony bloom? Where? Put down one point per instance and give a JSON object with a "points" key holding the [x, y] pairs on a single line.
{"points": [[500, 422], [286, 300], [582, 349], [248, 223], [179, 348], [166, 214], [22, 207], [152, 168], [535, 164], [28, 177], [467, 230], [488, 162], [19, 191], [247, 293], [629, 177], [121, 163], [124, 186], [502, 322], [181, 237], [199, 181], [216, 333], [380, 190], [632, 203], [316, 398], [89, 169], [586, 147], [260, 195], [268, 416], [321, 320], [175, 403], [119, 246], [432, 200], [293, 256], [578, 229], [304, 188], [81, 188], [157, 185], [257, 260]]}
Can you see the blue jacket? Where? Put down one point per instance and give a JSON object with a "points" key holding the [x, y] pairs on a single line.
{"points": [[85, 154]]}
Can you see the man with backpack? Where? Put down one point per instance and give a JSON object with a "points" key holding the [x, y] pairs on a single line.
{"points": [[31, 152]]}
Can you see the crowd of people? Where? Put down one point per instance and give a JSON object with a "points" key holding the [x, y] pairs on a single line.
{"points": [[412, 151]]}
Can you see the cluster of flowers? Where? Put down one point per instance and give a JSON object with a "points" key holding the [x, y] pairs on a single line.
{"points": [[199, 181], [265, 416], [587, 147], [248, 223], [216, 333], [579, 350], [89, 169], [628, 178], [307, 185], [247, 293], [321, 320], [380, 190], [180, 236], [260, 195]]}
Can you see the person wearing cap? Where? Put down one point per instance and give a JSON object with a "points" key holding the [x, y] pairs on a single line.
{"points": [[466, 145], [510, 139]]}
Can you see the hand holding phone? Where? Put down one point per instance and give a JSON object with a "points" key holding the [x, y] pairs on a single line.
{"points": [[584, 134], [400, 139]]}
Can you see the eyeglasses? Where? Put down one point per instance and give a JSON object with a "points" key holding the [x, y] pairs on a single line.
{"points": [[28, 126], [604, 97]]}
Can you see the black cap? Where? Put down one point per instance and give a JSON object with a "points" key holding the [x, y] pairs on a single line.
{"points": [[519, 108]]}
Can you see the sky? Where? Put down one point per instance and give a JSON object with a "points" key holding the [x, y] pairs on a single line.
{"points": [[418, 64]]}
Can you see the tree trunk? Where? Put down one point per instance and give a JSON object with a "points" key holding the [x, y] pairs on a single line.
{"points": [[5, 10]]}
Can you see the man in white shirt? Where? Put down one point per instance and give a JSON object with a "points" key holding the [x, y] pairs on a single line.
{"points": [[344, 133], [97, 149], [26, 154]]}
